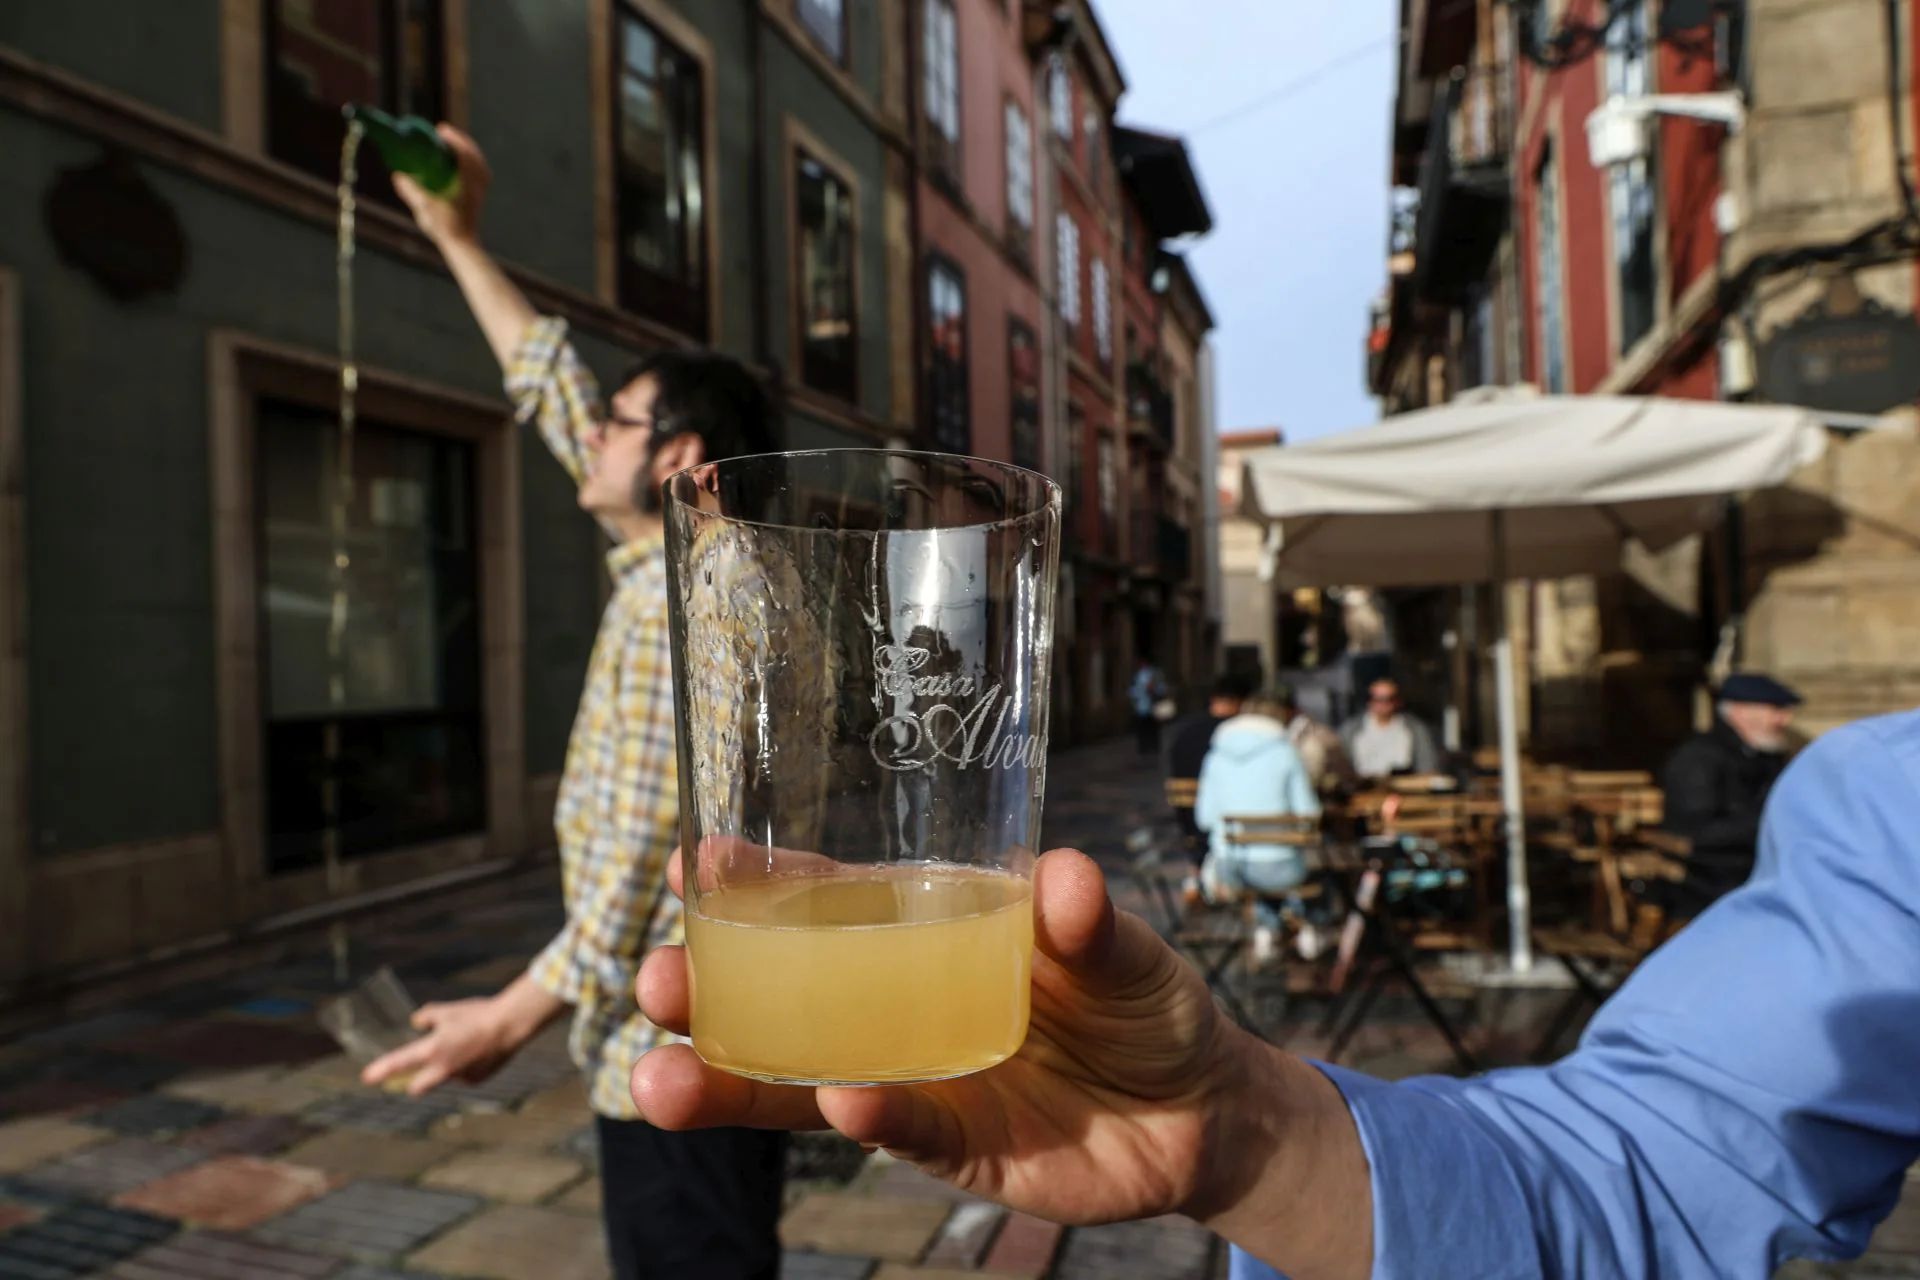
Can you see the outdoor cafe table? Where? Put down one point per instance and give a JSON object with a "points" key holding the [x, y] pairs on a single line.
{"points": [[1372, 944]]}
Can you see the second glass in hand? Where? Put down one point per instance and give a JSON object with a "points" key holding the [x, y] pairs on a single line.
{"points": [[861, 646]]}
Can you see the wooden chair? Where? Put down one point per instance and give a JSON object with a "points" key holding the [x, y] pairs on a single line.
{"points": [[1182, 793], [1587, 781], [1212, 937], [1600, 955], [1422, 784]]}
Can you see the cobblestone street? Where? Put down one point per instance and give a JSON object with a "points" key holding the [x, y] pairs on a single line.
{"points": [[210, 1129]]}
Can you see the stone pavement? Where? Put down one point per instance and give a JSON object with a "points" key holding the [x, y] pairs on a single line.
{"points": [[210, 1130]]}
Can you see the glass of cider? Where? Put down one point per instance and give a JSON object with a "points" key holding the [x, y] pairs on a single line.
{"points": [[862, 641]]}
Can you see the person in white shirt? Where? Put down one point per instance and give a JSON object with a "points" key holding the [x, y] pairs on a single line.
{"points": [[1385, 739]]}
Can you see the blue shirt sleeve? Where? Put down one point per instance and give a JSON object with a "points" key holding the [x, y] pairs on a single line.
{"points": [[1751, 1094]]}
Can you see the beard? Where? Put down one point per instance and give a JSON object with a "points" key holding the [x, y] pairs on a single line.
{"points": [[646, 490]]}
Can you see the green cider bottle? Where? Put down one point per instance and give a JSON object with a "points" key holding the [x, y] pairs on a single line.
{"points": [[410, 145]]}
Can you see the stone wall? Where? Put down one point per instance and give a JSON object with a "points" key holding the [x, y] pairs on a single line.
{"points": [[1834, 579]]}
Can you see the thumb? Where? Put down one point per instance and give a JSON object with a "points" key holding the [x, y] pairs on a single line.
{"points": [[427, 1016], [1104, 951]]}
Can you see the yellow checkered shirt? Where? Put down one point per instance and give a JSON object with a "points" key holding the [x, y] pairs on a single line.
{"points": [[617, 815]]}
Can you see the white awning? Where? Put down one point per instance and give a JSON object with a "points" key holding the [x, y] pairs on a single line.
{"points": [[1506, 483], [1410, 501]]}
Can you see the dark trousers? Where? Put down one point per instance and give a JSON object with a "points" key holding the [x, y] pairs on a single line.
{"points": [[1146, 732], [703, 1205]]}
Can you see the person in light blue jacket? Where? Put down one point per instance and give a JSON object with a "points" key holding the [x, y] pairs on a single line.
{"points": [[1252, 770]]}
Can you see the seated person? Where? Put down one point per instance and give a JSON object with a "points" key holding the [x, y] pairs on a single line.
{"points": [[1191, 737], [1254, 771], [1717, 782], [1386, 739], [1321, 749]]}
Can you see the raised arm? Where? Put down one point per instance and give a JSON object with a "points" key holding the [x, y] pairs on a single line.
{"points": [[545, 379]]}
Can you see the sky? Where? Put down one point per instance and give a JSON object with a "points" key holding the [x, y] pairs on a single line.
{"points": [[1284, 105]]}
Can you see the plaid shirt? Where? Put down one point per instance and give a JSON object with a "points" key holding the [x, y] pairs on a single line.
{"points": [[617, 815]]}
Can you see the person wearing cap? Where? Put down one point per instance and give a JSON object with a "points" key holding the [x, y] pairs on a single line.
{"points": [[1717, 782]]}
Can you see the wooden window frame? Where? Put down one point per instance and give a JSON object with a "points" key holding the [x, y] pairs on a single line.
{"points": [[1618, 178], [672, 30], [1061, 124], [1543, 194], [800, 141], [242, 371], [946, 156], [1034, 459], [1100, 305], [845, 59], [1018, 234], [1066, 276], [450, 22], [940, 262]]}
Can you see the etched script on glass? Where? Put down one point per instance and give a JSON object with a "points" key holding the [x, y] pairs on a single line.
{"points": [[959, 732]]}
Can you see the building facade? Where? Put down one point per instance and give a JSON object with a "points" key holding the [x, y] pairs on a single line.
{"points": [[1182, 500], [175, 757], [1772, 261], [759, 176], [1129, 370]]}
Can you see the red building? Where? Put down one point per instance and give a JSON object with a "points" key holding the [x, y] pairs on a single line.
{"points": [[977, 226], [1040, 316], [1083, 86], [1637, 241], [1679, 198]]}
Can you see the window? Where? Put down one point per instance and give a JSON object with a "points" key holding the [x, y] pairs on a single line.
{"points": [[1067, 260], [1102, 289], [824, 217], [1060, 98], [1019, 178], [1023, 378], [943, 86], [1091, 139], [826, 22], [660, 206], [400, 739], [1552, 368], [1107, 476], [1632, 193], [324, 54], [947, 399], [1076, 465]]}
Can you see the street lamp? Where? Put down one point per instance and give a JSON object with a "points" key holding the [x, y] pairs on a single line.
{"points": [[1620, 130]]}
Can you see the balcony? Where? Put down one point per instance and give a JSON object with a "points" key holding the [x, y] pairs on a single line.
{"points": [[1465, 188], [1149, 404]]}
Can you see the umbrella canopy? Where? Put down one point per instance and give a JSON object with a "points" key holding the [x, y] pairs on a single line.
{"points": [[1508, 483], [1409, 502]]}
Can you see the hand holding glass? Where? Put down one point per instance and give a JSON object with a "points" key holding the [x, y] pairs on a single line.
{"points": [[862, 642]]}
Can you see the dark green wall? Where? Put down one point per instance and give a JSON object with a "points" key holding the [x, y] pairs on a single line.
{"points": [[119, 556], [166, 54]]}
